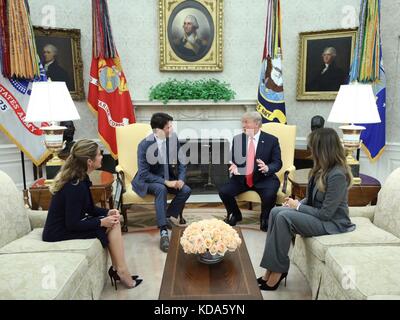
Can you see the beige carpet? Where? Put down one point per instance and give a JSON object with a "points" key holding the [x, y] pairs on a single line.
{"points": [[142, 218]]}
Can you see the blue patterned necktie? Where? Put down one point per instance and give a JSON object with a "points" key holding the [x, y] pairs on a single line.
{"points": [[165, 159]]}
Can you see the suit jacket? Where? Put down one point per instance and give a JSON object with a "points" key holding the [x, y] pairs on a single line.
{"points": [[150, 170], [331, 206], [268, 150]]}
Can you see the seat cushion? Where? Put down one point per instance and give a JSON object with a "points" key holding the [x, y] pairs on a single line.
{"points": [[33, 243], [41, 276], [367, 272], [365, 234]]}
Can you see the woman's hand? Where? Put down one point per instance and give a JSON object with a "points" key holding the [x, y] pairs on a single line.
{"points": [[290, 203], [110, 221], [113, 212]]}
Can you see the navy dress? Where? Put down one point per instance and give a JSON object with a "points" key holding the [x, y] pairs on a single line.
{"points": [[72, 214]]}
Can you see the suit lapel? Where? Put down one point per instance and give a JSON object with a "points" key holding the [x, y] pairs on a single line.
{"points": [[260, 146]]}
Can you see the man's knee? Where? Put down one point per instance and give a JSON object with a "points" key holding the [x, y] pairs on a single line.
{"points": [[224, 190], [160, 189], [186, 190]]}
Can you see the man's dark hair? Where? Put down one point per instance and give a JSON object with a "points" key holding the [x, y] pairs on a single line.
{"points": [[317, 122], [159, 120]]}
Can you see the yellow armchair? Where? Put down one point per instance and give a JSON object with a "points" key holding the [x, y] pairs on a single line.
{"points": [[128, 139], [286, 135]]}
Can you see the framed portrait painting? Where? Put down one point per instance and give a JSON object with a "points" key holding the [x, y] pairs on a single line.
{"points": [[325, 59], [60, 54], [190, 35]]}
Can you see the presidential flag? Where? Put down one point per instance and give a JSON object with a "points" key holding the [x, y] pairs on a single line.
{"points": [[270, 101]]}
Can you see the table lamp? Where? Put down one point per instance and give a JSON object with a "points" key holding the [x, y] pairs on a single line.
{"points": [[355, 103], [50, 101]]}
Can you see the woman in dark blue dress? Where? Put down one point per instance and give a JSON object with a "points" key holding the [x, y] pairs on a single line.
{"points": [[72, 214]]}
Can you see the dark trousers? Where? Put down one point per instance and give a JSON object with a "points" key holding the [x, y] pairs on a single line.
{"points": [[229, 191], [176, 206]]}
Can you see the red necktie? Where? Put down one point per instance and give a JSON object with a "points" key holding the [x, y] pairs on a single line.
{"points": [[250, 158]]}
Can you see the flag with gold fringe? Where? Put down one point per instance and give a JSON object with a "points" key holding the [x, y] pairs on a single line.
{"points": [[19, 68], [108, 93], [270, 101], [367, 67]]}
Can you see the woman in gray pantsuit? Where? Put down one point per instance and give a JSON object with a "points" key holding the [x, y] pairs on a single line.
{"points": [[324, 210]]}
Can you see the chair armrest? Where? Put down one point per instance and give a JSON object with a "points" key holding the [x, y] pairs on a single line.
{"points": [[366, 212], [37, 218], [121, 177], [288, 171]]}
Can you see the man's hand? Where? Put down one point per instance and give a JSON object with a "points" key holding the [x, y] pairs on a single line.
{"points": [[179, 184], [170, 183], [289, 202], [233, 169], [262, 166]]}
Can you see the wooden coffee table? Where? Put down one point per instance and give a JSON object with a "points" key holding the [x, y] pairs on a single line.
{"points": [[185, 278]]}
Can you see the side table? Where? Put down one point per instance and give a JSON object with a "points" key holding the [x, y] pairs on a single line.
{"points": [[101, 190], [359, 195]]}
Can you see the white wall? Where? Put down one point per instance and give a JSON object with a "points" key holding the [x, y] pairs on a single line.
{"points": [[135, 30]]}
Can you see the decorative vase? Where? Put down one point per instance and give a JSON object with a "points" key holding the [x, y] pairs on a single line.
{"points": [[208, 258]]}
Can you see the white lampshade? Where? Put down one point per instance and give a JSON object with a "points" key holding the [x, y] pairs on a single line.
{"points": [[355, 103], [50, 101]]}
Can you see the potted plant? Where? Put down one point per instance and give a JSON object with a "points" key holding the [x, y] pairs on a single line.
{"points": [[203, 89]]}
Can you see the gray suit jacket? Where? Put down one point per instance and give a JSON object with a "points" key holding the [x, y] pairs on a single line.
{"points": [[331, 206], [150, 170]]}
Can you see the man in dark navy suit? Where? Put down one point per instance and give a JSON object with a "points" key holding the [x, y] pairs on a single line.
{"points": [[160, 172], [256, 157]]}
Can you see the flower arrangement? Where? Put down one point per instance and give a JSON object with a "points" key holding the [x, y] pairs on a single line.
{"points": [[212, 235]]}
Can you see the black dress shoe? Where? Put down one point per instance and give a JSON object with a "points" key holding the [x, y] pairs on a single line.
{"points": [[164, 243], [234, 219], [263, 225]]}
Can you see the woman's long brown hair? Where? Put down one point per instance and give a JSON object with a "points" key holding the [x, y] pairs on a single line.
{"points": [[327, 152], [75, 166]]}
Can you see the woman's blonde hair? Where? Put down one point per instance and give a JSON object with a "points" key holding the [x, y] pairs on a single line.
{"points": [[75, 166], [327, 152]]}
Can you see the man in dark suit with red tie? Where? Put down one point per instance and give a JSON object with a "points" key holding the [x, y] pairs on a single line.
{"points": [[255, 158]]}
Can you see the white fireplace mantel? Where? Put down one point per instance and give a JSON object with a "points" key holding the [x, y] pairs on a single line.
{"points": [[198, 118]]}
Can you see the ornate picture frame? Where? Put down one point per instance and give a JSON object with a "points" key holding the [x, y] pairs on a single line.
{"points": [[325, 59], [60, 53], [190, 35]]}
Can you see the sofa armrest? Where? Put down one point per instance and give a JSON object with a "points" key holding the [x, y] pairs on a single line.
{"points": [[366, 212], [37, 218]]}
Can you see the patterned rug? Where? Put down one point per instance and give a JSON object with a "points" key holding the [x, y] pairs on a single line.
{"points": [[141, 218]]}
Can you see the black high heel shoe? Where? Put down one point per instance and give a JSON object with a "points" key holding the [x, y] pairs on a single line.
{"points": [[112, 270], [260, 280], [266, 287], [114, 277]]}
